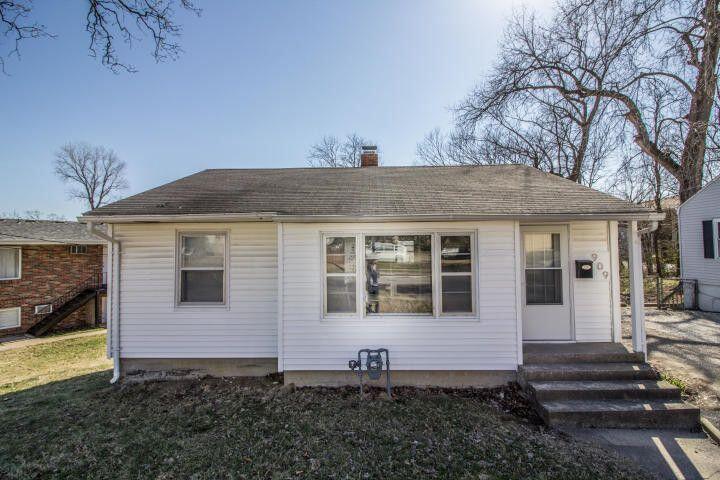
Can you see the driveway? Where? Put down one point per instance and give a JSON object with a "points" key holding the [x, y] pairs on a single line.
{"points": [[686, 345]]}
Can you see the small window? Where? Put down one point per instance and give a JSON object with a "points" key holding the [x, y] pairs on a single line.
{"points": [[398, 272], [43, 309], [201, 272], [10, 258], [78, 249], [340, 275], [10, 318], [456, 274]]}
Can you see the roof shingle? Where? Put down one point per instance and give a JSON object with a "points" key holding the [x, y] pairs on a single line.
{"points": [[502, 190]]}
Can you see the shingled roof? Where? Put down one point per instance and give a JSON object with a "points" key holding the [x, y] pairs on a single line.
{"points": [[15, 231], [453, 192]]}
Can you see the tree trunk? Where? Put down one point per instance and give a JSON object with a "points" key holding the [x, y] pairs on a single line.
{"points": [[692, 160]]}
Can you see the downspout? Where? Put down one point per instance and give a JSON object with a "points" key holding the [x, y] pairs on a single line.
{"points": [[115, 304]]}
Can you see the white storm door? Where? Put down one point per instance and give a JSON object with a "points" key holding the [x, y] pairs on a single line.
{"points": [[545, 282]]}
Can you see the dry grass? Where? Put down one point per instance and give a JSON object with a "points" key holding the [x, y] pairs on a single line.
{"points": [[60, 421]]}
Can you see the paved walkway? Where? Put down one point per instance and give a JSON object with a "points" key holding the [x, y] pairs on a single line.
{"points": [[686, 345], [20, 341], [667, 454]]}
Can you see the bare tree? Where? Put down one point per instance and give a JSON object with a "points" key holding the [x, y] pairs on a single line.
{"points": [[562, 136], [333, 152], [623, 52], [95, 174], [32, 215], [107, 22]]}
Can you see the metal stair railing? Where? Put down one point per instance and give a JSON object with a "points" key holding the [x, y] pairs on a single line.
{"points": [[92, 282]]}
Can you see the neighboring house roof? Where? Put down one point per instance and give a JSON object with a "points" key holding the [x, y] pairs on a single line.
{"points": [[32, 232], [311, 194]]}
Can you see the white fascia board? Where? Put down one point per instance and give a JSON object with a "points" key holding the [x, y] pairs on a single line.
{"points": [[272, 217]]}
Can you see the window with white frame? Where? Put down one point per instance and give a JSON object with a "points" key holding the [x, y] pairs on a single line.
{"points": [[201, 268], [716, 237], [456, 272], [43, 309], [397, 274], [10, 260], [9, 318], [77, 249], [340, 275]]}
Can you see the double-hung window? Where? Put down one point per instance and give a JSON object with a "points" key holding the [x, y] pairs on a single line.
{"points": [[10, 258], [456, 271], [340, 275], [201, 268]]}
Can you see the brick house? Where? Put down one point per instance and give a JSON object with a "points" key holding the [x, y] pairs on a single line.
{"points": [[51, 276]]}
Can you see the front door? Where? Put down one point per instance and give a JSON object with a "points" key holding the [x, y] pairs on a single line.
{"points": [[546, 299]]}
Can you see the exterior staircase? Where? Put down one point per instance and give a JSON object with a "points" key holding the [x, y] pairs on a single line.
{"points": [[70, 302], [601, 385]]}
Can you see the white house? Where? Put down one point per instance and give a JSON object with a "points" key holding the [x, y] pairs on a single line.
{"points": [[453, 269], [699, 225]]}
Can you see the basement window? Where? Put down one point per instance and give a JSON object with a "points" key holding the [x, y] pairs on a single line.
{"points": [[43, 309], [78, 249], [201, 268], [9, 318]]}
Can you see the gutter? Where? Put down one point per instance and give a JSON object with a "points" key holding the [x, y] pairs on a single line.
{"points": [[114, 252], [275, 217]]}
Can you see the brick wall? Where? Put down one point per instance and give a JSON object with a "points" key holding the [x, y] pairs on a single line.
{"points": [[49, 271]]}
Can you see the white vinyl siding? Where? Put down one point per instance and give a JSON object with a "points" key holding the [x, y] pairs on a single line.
{"points": [[592, 297], [485, 341], [151, 324], [9, 318], [705, 205]]}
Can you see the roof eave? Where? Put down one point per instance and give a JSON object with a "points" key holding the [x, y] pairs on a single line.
{"points": [[273, 217]]}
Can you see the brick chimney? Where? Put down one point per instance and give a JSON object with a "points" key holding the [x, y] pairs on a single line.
{"points": [[368, 156]]}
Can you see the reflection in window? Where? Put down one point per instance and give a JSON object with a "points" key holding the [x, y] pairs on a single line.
{"points": [[398, 274], [340, 274]]}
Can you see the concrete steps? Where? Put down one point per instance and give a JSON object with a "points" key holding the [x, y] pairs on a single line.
{"points": [[620, 414], [604, 390], [605, 386], [587, 371]]}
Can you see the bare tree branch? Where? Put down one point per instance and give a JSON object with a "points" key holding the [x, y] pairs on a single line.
{"points": [[332, 152], [107, 23], [95, 174]]}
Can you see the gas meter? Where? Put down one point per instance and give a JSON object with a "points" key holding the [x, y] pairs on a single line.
{"points": [[372, 362]]}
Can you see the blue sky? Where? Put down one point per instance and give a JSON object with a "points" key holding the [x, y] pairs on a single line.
{"points": [[258, 84]]}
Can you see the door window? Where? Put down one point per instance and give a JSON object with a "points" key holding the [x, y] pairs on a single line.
{"points": [[543, 269]]}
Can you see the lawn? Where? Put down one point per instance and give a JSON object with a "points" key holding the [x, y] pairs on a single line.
{"points": [[61, 419]]}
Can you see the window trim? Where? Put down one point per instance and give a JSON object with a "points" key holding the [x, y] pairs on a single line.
{"points": [[19, 263], [19, 316], [361, 277], [716, 236], [179, 234]]}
